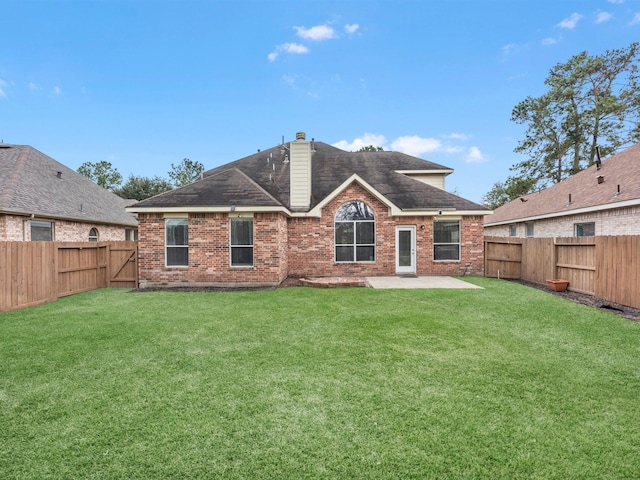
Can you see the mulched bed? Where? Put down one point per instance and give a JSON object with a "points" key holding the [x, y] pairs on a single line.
{"points": [[589, 300]]}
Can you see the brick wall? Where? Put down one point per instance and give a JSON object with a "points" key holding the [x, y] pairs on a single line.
{"points": [[15, 228], [619, 221], [209, 251], [297, 247], [12, 228], [311, 250]]}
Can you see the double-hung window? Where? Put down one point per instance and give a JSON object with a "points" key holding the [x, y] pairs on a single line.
{"points": [[529, 229], [41, 231], [355, 233], [242, 242], [446, 240], [177, 242]]}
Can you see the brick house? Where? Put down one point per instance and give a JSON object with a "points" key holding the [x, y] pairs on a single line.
{"points": [[307, 209], [42, 200], [603, 199]]}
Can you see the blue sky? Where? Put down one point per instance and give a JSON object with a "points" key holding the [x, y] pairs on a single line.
{"points": [[144, 84]]}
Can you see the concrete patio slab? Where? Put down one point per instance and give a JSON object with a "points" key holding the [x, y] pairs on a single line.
{"points": [[426, 281]]}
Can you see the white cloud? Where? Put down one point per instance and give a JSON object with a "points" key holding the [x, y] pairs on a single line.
{"points": [[416, 146], [475, 155], [293, 48], [571, 21], [57, 90], [602, 17], [457, 136], [616, 1], [364, 141], [34, 87], [510, 48], [636, 19], [351, 28], [3, 93], [317, 33], [549, 41], [290, 79]]}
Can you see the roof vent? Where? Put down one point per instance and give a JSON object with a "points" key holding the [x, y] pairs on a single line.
{"points": [[59, 175], [301, 136], [600, 179]]}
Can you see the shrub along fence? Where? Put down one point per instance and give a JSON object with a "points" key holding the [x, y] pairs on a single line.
{"points": [[606, 267], [32, 273]]}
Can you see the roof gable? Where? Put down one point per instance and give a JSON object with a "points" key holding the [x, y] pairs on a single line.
{"points": [[39, 185], [583, 191]]}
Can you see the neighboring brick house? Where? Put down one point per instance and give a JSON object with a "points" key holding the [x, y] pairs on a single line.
{"points": [[603, 199], [41, 199], [307, 209]]}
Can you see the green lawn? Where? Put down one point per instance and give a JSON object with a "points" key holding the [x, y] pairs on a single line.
{"points": [[506, 382]]}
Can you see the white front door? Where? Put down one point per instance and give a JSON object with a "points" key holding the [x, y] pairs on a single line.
{"points": [[406, 249]]}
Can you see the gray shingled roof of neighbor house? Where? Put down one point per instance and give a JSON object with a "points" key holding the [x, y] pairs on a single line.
{"points": [[33, 183], [262, 179], [618, 186]]}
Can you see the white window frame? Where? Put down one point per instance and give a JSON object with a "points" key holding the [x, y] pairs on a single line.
{"points": [[175, 221], [42, 224], [93, 237], [354, 243], [129, 233], [249, 245], [530, 229], [458, 243]]}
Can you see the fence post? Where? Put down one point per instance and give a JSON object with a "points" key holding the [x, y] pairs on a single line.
{"points": [[554, 266]]}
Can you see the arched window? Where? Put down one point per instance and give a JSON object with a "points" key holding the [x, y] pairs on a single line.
{"points": [[93, 235], [355, 237]]}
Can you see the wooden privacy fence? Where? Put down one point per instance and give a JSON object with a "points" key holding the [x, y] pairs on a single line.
{"points": [[32, 273], [606, 267]]}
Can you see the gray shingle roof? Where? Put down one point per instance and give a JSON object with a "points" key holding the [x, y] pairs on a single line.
{"points": [[30, 184], [622, 169], [265, 181]]}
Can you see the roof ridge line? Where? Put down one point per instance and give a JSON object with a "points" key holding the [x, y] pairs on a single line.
{"points": [[258, 185]]}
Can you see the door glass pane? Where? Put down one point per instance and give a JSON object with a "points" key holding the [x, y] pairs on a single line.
{"points": [[404, 248]]}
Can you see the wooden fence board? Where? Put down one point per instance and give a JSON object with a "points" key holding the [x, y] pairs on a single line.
{"points": [[607, 267], [617, 264], [32, 273]]}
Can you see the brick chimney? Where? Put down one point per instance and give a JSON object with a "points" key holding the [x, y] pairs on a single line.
{"points": [[300, 173]]}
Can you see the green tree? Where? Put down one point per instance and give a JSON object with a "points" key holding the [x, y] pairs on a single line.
{"points": [[371, 148], [512, 188], [591, 102], [185, 172], [140, 188], [102, 173]]}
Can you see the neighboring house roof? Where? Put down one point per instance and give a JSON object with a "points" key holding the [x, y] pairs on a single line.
{"points": [[34, 184], [262, 180], [580, 193]]}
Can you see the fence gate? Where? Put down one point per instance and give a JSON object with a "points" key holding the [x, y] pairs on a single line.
{"points": [[123, 265]]}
